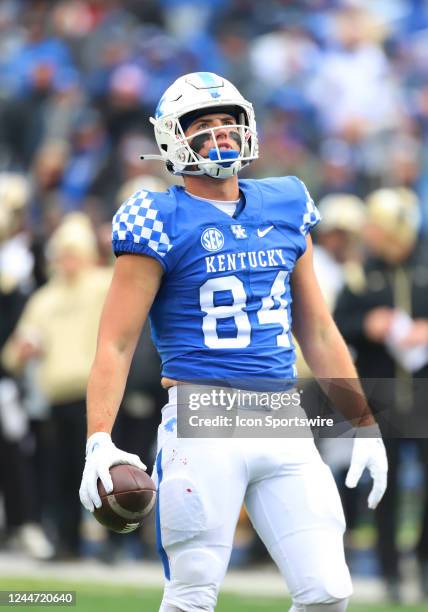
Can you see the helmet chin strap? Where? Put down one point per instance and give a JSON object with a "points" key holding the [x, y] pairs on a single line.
{"points": [[222, 169]]}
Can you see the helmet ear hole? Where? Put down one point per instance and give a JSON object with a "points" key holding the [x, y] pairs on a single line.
{"points": [[169, 166]]}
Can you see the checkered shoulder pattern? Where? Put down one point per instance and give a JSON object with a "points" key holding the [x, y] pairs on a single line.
{"points": [[138, 221], [311, 216]]}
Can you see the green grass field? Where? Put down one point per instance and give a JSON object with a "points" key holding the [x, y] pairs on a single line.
{"points": [[108, 598]]}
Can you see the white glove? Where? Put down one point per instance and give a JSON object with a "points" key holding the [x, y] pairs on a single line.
{"points": [[101, 454], [369, 452]]}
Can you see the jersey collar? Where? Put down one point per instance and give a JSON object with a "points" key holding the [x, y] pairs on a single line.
{"points": [[248, 208]]}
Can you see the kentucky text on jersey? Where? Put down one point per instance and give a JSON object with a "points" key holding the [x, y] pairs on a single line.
{"points": [[223, 308], [240, 261]]}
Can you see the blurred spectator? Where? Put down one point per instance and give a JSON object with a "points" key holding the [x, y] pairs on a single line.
{"points": [[89, 160], [42, 57], [354, 88], [48, 167], [338, 169], [337, 252], [16, 442], [58, 328], [65, 104], [385, 320], [179, 13], [284, 55], [123, 111], [285, 138], [233, 44], [32, 70], [16, 259]]}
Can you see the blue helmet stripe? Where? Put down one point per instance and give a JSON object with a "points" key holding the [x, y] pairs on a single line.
{"points": [[159, 111], [210, 80]]}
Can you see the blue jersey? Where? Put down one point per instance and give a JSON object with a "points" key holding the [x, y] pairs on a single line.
{"points": [[223, 309]]}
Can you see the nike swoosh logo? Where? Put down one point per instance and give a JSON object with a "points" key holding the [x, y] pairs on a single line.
{"points": [[261, 233]]}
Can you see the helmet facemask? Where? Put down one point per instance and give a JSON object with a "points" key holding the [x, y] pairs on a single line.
{"points": [[221, 163]]}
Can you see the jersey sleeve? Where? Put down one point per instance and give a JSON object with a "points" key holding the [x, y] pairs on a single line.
{"points": [[309, 215], [140, 227]]}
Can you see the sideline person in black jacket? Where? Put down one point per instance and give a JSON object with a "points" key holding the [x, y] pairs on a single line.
{"points": [[384, 318]]}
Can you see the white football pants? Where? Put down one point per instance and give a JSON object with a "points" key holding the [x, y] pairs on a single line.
{"points": [[291, 499]]}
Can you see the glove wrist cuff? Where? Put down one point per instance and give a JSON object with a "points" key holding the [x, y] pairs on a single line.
{"points": [[100, 438]]}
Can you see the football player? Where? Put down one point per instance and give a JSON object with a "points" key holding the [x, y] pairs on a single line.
{"points": [[223, 267]]}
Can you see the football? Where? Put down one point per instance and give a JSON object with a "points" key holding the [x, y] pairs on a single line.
{"points": [[132, 499]]}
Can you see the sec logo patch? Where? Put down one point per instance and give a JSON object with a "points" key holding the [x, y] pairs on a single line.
{"points": [[212, 239]]}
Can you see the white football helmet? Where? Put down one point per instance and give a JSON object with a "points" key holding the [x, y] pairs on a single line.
{"points": [[193, 95]]}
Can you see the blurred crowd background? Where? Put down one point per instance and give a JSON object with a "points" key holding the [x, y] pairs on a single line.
{"points": [[340, 89]]}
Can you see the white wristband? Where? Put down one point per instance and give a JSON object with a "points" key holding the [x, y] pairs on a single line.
{"points": [[100, 438]]}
